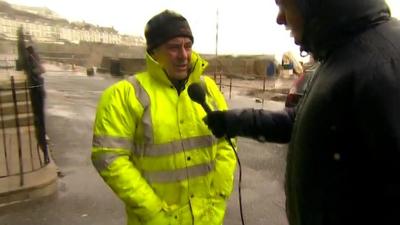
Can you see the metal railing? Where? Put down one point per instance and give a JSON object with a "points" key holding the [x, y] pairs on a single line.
{"points": [[256, 86], [23, 145]]}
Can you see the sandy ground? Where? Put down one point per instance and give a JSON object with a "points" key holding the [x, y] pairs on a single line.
{"points": [[54, 67]]}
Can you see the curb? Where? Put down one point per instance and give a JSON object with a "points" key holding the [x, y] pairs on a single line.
{"points": [[37, 184]]}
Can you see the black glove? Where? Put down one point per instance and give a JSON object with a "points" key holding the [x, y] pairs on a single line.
{"points": [[216, 122]]}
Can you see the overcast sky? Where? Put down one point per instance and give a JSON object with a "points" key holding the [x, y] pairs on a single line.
{"points": [[245, 27]]}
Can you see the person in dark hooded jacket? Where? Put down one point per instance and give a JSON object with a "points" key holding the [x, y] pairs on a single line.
{"points": [[343, 163]]}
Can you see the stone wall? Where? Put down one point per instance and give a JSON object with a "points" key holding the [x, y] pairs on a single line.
{"points": [[131, 59], [241, 66], [84, 54]]}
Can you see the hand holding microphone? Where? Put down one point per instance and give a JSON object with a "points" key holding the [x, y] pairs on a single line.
{"points": [[215, 120], [217, 124]]}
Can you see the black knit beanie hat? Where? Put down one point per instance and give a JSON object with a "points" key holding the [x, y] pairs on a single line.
{"points": [[165, 26]]}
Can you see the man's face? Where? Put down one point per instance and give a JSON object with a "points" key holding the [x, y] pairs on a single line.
{"points": [[290, 16], [174, 56]]}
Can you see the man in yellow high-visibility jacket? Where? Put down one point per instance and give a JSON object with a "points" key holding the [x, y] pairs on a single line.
{"points": [[150, 143]]}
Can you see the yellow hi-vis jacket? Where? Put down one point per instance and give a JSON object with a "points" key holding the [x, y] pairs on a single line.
{"points": [[152, 147]]}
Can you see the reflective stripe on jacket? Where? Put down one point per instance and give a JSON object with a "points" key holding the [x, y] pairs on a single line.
{"points": [[152, 147]]}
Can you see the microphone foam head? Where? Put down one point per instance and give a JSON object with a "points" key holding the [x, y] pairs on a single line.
{"points": [[196, 93]]}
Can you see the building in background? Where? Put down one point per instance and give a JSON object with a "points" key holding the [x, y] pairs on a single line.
{"points": [[43, 25]]}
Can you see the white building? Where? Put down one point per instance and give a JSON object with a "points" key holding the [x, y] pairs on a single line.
{"points": [[56, 30]]}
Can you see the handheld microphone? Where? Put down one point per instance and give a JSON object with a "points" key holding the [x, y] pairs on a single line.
{"points": [[197, 94]]}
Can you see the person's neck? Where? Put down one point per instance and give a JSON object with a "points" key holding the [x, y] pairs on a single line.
{"points": [[179, 84]]}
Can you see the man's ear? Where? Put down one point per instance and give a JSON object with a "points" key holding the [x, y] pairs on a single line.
{"points": [[155, 54]]}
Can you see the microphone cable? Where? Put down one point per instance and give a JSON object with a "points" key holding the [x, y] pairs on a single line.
{"points": [[197, 94], [240, 179]]}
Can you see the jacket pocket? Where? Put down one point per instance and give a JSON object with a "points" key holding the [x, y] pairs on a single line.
{"points": [[208, 210]]}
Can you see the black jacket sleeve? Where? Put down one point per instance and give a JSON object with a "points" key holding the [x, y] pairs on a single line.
{"points": [[261, 125]]}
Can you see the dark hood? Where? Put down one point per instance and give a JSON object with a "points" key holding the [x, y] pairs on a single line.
{"points": [[331, 23]]}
